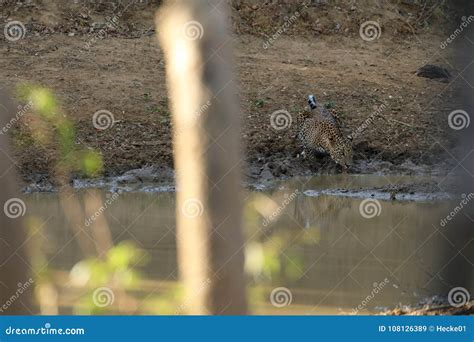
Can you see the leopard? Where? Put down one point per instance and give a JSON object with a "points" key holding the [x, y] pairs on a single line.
{"points": [[322, 133]]}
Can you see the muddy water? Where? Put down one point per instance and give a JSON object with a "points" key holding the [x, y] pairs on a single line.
{"points": [[330, 254]]}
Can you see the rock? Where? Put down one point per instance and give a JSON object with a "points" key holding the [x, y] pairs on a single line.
{"points": [[146, 174], [282, 169], [252, 171], [433, 72], [266, 175]]}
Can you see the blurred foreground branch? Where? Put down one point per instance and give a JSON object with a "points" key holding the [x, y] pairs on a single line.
{"points": [[14, 272]]}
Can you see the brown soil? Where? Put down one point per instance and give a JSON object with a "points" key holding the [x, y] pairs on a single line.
{"points": [[321, 53]]}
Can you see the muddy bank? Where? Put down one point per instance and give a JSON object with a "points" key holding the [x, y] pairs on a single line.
{"points": [[415, 192], [433, 306], [162, 179], [122, 71], [257, 175]]}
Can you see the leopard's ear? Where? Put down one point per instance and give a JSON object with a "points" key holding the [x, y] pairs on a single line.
{"points": [[350, 137], [312, 102]]}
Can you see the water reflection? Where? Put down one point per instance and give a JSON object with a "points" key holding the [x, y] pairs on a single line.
{"points": [[331, 258]]}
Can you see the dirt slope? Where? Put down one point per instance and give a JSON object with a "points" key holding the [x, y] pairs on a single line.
{"points": [[321, 52]]}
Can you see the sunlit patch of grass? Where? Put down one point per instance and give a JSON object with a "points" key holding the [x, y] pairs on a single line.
{"points": [[153, 109], [329, 104], [297, 109], [22, 139], [259, 103]]}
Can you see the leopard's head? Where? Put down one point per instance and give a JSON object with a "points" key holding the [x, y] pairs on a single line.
{"points": [[342, 152]]}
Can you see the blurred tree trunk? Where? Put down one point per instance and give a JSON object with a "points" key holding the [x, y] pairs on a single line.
{"points": [[460, 233], [14, 269], [207, 155]]}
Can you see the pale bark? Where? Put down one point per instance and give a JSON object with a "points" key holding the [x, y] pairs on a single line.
{"points": [[207, 161]]}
